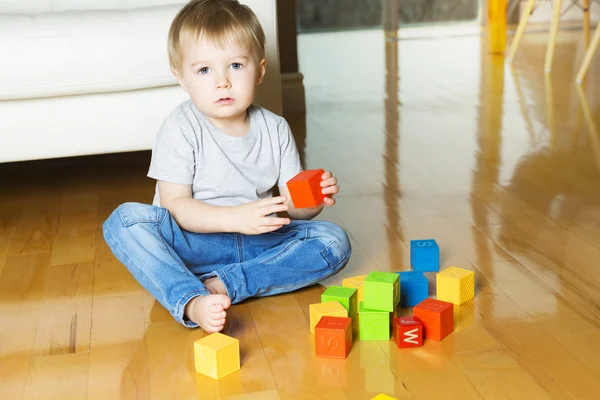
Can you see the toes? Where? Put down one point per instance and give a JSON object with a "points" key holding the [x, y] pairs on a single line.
{"points": [[215, 308]]}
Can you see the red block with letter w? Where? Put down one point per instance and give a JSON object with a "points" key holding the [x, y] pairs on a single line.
{"points": [[408, 332]]}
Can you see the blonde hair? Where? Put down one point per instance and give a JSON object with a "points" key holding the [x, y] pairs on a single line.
{"points": [[217, 21]]}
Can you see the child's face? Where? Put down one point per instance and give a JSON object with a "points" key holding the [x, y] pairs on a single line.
{"points": [[220, 81]]}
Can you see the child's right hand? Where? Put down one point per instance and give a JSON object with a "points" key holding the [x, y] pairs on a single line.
{"points": [[254, 218]]}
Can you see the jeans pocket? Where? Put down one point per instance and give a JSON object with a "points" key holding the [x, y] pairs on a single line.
{"points": [[134, 213], [333, 254]]}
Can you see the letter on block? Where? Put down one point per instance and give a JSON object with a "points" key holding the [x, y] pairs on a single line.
{"points": [[305, 188], [437, 318], [383, 396], [217, 355], [357, 283], [425, 255], [318, 310], [333, 337], [408, 332], [374, 324], [346, 297], [414, 288], [455, 285], [381, 291]]}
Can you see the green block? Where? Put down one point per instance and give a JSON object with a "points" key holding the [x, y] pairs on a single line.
{"points": [[373, 324], [346, 297], [381, 291]]}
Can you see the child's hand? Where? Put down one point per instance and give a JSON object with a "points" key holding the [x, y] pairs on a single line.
{"points": [[330, 187], [254, 218]]}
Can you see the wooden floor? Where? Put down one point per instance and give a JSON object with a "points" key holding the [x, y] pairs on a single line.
{"points": [[430, 138]]}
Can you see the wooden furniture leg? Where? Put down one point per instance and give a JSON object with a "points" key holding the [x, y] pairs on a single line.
{"points": [[552, 37], [586, 23], [496, 26], [589, 54], [520, 30]]}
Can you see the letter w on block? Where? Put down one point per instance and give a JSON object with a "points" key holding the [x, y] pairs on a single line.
{"points": [[408, 332], [412, 336]]}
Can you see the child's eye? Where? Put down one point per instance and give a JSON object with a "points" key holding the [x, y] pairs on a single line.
{"points": [[204, 70], [236, 66]]}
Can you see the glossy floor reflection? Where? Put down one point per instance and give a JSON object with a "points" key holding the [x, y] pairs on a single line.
{"points": [[430, 137]]}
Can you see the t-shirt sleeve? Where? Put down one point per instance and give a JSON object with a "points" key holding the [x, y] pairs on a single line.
{"points": [[290, 158], [173, 153]]}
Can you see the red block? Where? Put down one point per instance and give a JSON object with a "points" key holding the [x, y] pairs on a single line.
{"points": [[437, 317], [408, 332], [305, 188], [333, 337]]}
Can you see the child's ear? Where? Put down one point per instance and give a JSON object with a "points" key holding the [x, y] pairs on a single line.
{"points": [[262, 69], [179, 78]]}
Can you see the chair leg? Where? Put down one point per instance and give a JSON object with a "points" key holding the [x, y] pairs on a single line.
{"points": [[520, 30], [553, 32], [589, 54], [586, 23]]}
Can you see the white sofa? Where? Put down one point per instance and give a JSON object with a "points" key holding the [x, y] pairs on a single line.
{"points": [[81, 77]]}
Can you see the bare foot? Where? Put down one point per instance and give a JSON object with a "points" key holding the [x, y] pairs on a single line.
{"points": [[215, 286], [208, 311]]}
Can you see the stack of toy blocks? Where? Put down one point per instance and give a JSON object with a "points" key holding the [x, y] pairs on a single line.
{"points": [[381, 292], [331, 321], [216, 355], [305, 188]]}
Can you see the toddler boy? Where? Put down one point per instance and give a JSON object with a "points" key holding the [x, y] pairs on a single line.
{"points": [[213, 236]]}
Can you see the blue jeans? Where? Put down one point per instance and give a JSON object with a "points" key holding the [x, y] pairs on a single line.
{"points": [[172, 263]]}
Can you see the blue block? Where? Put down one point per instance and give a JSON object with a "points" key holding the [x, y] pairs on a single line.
{"points": [[414, 288], [425, 255]]}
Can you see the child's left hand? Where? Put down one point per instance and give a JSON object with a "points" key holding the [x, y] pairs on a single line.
{"points": [[330, 187]]}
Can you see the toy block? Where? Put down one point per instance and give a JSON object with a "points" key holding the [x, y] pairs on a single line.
{"points": [[408, 332], [455, 285], [305, 188], [381, 291], [346, 297], [383, 396], [333, 337], [318, 310], [217, 355], [414, 288], [357, 283], [437, 318], [373, 324], [425, 255]]}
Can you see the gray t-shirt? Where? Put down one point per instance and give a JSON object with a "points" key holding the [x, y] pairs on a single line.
{"points": [[224, 170]]}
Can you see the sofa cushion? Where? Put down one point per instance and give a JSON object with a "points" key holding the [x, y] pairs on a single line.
{"points": [[84, 51], [45, 6]]}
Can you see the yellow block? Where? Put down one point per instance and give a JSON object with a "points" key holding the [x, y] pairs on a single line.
{"points": [[383, 397], [333, 308], [217, 355], [455, 285], [355, 282]]}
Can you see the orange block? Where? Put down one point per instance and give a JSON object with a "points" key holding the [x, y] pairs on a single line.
{"points": [[333, 337], [305, 188], [437, 317]]}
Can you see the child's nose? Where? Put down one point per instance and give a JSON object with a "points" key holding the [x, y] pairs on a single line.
{"points": [[223, 82]]}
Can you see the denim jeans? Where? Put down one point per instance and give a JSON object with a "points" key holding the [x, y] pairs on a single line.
{"points": [[172, 263]]}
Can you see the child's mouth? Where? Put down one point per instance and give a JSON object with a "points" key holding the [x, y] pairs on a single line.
{"points": [[225, 100]]}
